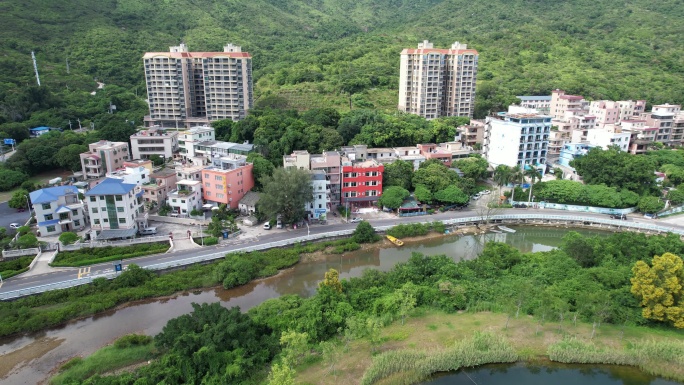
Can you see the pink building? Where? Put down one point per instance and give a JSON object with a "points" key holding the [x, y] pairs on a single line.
{"points": [[560, 103], [606, 111], [432, 151], [227, 180]]}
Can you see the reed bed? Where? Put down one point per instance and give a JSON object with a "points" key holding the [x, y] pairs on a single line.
{"points": [[482, 348]]}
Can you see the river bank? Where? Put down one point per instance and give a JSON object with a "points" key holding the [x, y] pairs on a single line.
{"points": [[431, 333]]}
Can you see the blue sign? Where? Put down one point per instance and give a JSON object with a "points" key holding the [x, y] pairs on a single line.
{"points": [[10, 142], [320, 211], [117, 267]]}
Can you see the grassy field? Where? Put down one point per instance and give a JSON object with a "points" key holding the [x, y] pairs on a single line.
{"points": [[434, 332]]}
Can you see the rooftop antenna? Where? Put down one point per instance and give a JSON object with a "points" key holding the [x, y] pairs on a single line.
{"points": [[35, 67]]}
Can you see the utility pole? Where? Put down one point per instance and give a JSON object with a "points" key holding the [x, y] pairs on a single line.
{"points": [[35, 67]]}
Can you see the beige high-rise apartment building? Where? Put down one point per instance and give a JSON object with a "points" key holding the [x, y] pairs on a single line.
{"points": [[187, 89], [437, 82]]}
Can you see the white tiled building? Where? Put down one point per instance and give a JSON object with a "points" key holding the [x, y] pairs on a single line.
{"points": [[154, 142], [58, 209], [116, 209]]}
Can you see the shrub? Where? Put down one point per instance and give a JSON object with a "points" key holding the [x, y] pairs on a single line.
{"points": [[132, 340], [15, 266], [350, 246], [23, 230], [27, 241], [68, 238], [208, 241], [364, 233], [410, 230]]}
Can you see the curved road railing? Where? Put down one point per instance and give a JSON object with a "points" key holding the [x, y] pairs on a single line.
{"points": [[550, 219]]}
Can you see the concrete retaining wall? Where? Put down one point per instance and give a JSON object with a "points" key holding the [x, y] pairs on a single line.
{"points": [[179, 221]]}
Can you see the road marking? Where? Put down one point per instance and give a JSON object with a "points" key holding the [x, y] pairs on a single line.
{"points": [[82, 271]]}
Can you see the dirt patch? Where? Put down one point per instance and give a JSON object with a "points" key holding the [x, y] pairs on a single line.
{"points": [[29, 352], [126, 369]]}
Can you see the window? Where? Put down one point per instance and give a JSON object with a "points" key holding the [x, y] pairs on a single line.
{"points": [[207, 185], [122, 220], [46, 206], [173, 200], [105, 220], [50, 229], [48, 217], [218, 177], [94, 210], [346, 175], [96, 221], [63, 216], [218, 186], [372, 193], [101, 197], [93, 199], [119, 209], [77, 222], [208, 193], [219, 196], [103, 209], [206, 176], [182, 200], [372, 183], [119, 198]]}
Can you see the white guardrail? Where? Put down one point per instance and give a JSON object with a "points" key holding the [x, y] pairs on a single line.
{"points": [[449, 222]]}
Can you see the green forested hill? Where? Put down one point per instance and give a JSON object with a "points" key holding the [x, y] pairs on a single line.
{"points": [[313, 51]]}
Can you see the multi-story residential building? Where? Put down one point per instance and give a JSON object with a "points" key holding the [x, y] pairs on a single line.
{"points": [[361, 182], [517, 140], [227, 180], [432, 151], [642, 137], [471, 134], [411, 155], [157, 189], [103, 157], [320, 202], [188, 89], [604, 137], [189, 139], [629, 109], [561, 102], [662, 117], [189, 172], [457, 150], [116, 209], [381, 155], [561, 134], [136, 175], [58, 209], [572, 151], [438, 82], [154, 142], [677, 137], [186, 197], [541, 103], [140, 163], [220, 149], [605, 111], [330, 162]]}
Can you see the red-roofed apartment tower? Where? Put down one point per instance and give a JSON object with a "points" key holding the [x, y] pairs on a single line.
{"points": [[187, 89]]}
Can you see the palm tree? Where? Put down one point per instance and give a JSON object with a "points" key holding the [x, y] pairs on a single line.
{"points": [[502, 176], [533, 174], [516, 172]]}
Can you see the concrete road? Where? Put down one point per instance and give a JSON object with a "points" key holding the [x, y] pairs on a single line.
{"points": [[9, 215], [276, 235]]}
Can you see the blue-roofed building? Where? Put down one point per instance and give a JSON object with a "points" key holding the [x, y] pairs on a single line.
{"points": [[38, 131], [58, 209], [116, 209]]}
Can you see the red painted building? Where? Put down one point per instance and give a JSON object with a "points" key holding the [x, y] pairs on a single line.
{"points": [[361, 183]]}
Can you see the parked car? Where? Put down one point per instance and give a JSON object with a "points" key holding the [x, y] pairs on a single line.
{"points": [[647, 216], [148, 231], [21, 210], [14, 225], [485, 192], [355, 220], [267, 226], [475, 197], [619, 216]]}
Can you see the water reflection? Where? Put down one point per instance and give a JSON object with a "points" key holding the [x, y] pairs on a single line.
{"points": [[549, 373], [85, 336]]}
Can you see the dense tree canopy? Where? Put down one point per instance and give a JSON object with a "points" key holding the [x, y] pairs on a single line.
{"points": [[285, 193], [618, 169], [660, 288]]}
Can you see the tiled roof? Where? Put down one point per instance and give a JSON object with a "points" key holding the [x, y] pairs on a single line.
{"points": [[111, 186], [51, 194]]}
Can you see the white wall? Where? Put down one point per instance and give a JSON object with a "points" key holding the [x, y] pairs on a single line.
{"points": [[504, 143]]}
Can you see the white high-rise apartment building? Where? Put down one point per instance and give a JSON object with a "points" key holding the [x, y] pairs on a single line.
{"points": [[187, 89], [517, 140], [437, 82]]}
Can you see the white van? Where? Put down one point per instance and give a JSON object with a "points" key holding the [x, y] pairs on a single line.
{"points": [[148, 231]]}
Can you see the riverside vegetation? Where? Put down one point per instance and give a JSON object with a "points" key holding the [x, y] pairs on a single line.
{"points": [[581, 290], [40, 311], [90, 256]]}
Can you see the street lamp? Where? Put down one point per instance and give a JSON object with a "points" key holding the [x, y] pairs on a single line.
{"points": [[308, 231]]}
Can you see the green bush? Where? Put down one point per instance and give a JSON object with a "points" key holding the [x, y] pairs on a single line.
{"points": [[349, 246], [90, 256], [410, 230], [15, 266], [68, 238], [27, 241], [364, 233], [208, 241], [132, 340]]}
